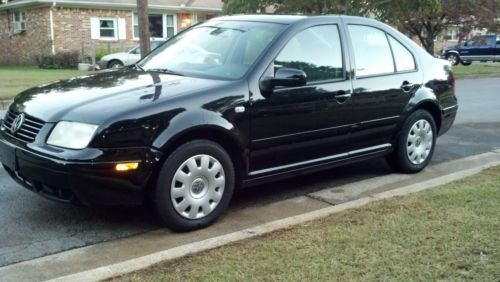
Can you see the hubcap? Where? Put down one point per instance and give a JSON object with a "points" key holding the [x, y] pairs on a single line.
{"points": [[419, 142], [452, 59], [197, 187]]}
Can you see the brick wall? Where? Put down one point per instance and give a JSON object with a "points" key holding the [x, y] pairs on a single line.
{"points": [[22, 48], [72, 28]]}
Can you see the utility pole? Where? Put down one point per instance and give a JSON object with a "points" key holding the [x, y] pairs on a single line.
{"points": [[142, 17]]}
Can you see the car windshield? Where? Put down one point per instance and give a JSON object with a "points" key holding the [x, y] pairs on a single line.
{"points": [[218, 50]]}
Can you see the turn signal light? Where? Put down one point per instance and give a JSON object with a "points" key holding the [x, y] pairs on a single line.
{"points": [[126, 166]]}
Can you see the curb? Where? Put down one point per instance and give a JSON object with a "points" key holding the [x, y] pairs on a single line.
{"points": [[128, 266]]}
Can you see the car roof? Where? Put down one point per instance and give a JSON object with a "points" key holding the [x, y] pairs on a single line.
{"points": [[287, 19]]}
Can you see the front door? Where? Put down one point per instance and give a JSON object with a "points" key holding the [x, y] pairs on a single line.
{"points": [[300, 126]]}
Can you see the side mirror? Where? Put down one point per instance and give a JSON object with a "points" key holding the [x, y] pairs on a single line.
{"points": [[287, 77]]}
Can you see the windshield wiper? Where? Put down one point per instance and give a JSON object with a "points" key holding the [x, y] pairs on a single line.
{"points": [[166, 71], [136, 66]]}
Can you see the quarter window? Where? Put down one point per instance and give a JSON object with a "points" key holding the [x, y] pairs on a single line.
{"points": [[372, 53], [316, 51], [403, 58]]}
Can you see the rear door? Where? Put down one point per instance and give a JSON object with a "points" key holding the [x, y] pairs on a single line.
{"points": [[386, 76]]}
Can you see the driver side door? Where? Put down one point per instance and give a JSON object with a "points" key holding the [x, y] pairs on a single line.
{"points": [[293, 127]]}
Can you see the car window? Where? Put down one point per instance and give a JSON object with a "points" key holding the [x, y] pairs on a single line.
{"points": [[372, 54], [135, 50], [403, 58], [316, 51]]}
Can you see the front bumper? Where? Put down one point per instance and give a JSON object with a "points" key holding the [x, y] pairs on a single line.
{"points": [[92, 180]]}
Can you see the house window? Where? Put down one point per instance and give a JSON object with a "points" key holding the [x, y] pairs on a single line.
{"points": [[159, 25], [19, 22], [107, 28]]}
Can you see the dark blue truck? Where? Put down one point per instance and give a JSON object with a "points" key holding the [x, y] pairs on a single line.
{"points": [[480, 48]]}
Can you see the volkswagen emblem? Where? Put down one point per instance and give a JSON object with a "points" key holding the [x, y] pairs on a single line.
{"points": [[17, 123]]}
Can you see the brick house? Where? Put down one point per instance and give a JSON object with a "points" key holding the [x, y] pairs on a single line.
{"points": [[29, 28]]}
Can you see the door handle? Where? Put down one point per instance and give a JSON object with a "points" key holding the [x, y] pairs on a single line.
{"points": [[406, 86], [341, 96]]}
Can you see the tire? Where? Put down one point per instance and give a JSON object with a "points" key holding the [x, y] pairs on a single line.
{"points": [[194, 186], [415, 145], [466, 63], [453, 58], [115, 64]]}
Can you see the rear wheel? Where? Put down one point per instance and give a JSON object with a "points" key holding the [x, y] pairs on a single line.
{"points": [[115, 64], [466, 63], [194, 186], [416, 143]]}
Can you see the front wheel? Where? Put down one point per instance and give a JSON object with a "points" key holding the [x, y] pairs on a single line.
{"points": [[453, 59], [194, 186], [416, 143]]}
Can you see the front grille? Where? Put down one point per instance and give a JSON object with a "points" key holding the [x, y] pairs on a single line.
{"points": [[28, 130]]}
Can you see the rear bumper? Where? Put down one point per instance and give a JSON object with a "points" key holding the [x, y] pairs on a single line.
{"points": [[449, 115], [91, 182]]}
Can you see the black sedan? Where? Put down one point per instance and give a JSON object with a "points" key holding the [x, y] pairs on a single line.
{"points": [[230, 103]]}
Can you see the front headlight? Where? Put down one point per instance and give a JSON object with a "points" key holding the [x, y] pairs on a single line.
{"points": [[72, 135]]}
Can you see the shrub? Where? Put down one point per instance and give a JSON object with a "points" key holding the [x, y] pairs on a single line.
{"points": [[62, 60]]}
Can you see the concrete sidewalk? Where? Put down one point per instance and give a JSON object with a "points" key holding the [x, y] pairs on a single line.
{"points": [[113, 258]]}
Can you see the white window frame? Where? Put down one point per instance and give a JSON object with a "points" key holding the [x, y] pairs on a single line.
{"points": [[18, 24], [115, 29], [164, 24]]}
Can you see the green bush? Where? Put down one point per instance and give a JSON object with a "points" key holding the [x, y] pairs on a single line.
{"points": [[62, 60]]}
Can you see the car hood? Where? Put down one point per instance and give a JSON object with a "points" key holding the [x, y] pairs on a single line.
{"points": [[453, 47], [98, 97]]}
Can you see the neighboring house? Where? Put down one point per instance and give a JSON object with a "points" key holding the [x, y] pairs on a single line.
{"points": [[30, 28]]}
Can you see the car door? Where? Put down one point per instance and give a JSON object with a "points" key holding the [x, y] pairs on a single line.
{"points": [[386, 76], [297, 126]]}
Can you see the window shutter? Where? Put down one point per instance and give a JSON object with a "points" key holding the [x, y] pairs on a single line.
{"points": [[94, 28], [122, 33]]}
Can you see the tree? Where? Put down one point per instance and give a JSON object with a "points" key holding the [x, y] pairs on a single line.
{"points": [[245, 7], [142, 15], [426, 19]]}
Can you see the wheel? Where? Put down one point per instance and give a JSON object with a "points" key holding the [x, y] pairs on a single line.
{"points": [[415, 145], [115, 64], [194, 186], [466, 63], [453, 59]]}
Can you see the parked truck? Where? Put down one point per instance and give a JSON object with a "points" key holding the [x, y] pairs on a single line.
{"points": [[480, 48]]}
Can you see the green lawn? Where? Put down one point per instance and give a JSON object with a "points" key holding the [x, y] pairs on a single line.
{"points": [[450, 233], [477, 69], [14, 79]]}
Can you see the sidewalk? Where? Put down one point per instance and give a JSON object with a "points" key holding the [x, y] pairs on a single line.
{"points": [[113, 258]]}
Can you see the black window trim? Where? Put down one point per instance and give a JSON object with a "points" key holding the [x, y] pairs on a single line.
{"points": [[344, 72], [395, 72]]}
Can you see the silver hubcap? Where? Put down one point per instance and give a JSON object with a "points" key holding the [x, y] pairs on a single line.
{"points": [[197, 186], [419, 142], [452, 59]]}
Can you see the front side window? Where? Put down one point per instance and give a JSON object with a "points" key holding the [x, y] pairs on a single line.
{"points": [[316, 51], [219, 50], [402, 57], [372, 53], [107, 28], [19, 21]]}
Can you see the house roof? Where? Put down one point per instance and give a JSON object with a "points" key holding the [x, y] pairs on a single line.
{"points": [[178, 5]]}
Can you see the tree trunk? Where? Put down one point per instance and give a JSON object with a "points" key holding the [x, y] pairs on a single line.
{"points": [[142, 15]]}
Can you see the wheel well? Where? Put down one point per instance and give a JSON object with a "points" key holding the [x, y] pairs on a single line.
{"points": [[214, 135], [114, 60], [435, 112]]}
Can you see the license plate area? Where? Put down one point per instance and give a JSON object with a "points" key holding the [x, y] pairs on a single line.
{"points": [[8, 156]]}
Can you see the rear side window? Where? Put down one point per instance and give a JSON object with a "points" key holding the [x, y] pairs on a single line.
{"points": [[402, 57], [316, 51], [372, 53]]}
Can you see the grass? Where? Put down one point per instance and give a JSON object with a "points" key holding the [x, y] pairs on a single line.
{"points": [[14, 79], [477, 69], [448, 233]]}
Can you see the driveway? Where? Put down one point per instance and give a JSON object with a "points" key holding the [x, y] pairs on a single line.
{"points": [[31, 226]]}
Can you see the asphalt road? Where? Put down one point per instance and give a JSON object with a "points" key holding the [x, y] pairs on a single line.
{"points": [[31, 226]]}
